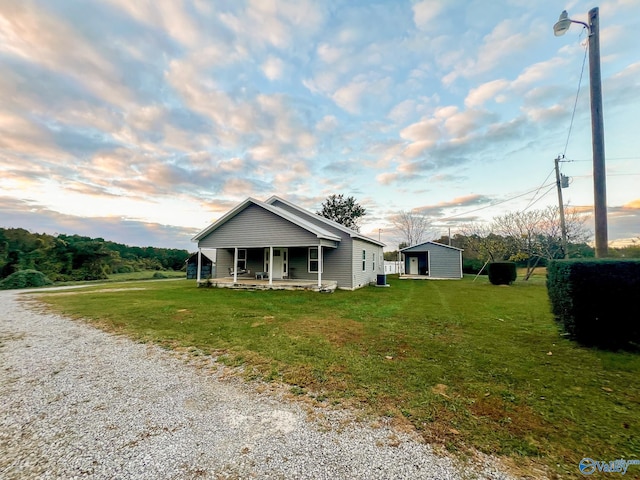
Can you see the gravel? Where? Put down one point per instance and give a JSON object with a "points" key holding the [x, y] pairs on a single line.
{"points": [[76, 402]]}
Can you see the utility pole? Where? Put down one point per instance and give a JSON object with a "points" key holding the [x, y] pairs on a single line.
{"points": [[597, 133], [597, 124], [563, 226]]}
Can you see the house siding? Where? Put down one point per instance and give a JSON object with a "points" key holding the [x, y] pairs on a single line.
{"points": [[369, 274], [445, 264], [338, 263], [257, 227], [224, 262]]}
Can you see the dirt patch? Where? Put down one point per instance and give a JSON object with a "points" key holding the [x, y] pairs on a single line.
{"points": [[337, 331]]}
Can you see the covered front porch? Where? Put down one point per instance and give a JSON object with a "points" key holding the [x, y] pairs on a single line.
{"points": [[298, 267]]}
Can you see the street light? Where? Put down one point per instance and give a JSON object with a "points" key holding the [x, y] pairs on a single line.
{"points": [[597, 123]]}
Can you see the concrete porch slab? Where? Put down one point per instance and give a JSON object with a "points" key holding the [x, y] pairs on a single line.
{"points": [[244, 283]]}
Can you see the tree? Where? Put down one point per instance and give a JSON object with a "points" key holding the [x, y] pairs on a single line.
{"points": [[480, 242], [345, 211], [413, 227], [73, 257], [536, 233]]}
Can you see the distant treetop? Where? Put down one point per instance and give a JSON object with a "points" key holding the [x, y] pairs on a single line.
{"points": [[345, 211]]}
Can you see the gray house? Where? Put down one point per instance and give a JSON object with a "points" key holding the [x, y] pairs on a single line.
{"points": [[277, 240], [432, 260]]}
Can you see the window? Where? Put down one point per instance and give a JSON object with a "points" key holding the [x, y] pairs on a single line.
{"points": [[364, 260], [242, 259], [314, 260], [374, 262]]}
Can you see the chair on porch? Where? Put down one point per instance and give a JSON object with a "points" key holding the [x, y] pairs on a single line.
{"points": [[241, 271]]}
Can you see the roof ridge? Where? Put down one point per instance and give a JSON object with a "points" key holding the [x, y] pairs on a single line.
{"points": [[326, 220], [318, 231]]}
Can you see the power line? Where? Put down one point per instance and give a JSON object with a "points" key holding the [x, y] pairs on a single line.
{"points": [[541, 197], [531, 202], [608, 175], [500, 202], [575, 103], [608, 158]]}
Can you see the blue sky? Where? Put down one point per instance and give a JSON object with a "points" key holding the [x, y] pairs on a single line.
{"points": [[142, 122]]}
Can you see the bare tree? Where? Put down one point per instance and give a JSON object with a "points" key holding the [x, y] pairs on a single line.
{"points": [[536, 234], [413, 227], [479, 240], [551, 237]]}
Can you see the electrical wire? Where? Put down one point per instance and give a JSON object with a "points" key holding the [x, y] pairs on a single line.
{"points": [[575, 103], [541, 196], [551, 185], [531, 202]]}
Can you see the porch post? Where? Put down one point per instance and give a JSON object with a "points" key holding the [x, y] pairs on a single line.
{"points": [[199, 265], [270, 265], [320, 265], [235, 265]]}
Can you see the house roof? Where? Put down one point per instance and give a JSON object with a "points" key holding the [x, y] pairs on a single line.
{"points": [[301, 222], [352, 233], [195, 254], [414, 247]]}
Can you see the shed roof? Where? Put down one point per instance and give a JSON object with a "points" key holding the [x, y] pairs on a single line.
{"points": [[195, 254], [421, 247]]}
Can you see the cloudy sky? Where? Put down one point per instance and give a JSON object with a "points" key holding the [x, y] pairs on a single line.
{"points": [[143, 121]]}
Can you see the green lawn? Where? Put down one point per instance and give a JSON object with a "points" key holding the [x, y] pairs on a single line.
{"points": [[468, 364], [127, 277]]}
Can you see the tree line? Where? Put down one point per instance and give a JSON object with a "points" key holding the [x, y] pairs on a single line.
{"points": [[73, 257]]}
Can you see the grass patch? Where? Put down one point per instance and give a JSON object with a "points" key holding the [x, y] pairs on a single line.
{"points": [[129, 277], [468, 364]]}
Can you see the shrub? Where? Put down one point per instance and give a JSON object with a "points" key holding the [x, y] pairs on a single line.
{"points": [[159, 275], [595, 301], [25, 279], [124, 269], [502, 273]]}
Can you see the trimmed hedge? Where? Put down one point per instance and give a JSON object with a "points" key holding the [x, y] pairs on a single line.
{"points": [[502, 273], [25, 279], [596, 301]]}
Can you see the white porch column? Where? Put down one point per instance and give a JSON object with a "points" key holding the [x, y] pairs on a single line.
{"points": [[270, 265], [320, 265], [199, 265], [235, 265]]}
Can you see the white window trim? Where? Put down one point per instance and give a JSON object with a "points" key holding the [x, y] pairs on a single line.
{"points": [[317, 259], [242, 257]]}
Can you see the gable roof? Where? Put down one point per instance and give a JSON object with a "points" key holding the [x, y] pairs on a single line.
{"points": [[301, 222], [326, 221], [195, 255], [413, 247]]}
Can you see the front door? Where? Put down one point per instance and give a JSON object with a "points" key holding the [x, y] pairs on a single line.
{"points": [[280, 267], [413, 265]]}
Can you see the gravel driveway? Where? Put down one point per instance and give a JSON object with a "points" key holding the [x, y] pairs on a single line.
{"points": [[78, 402]]}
